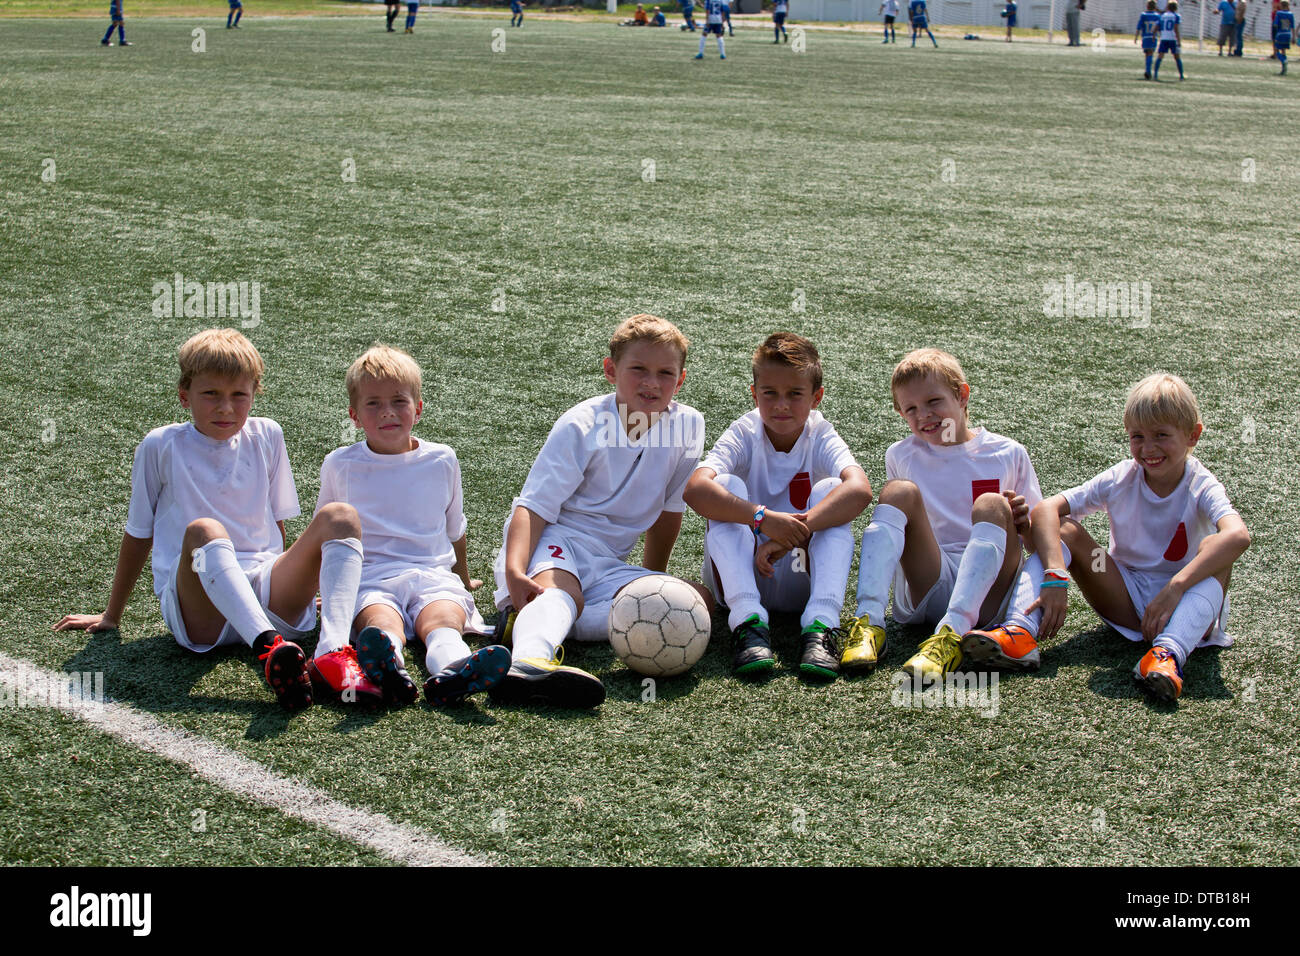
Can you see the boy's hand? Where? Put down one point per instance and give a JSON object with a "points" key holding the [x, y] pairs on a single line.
{"points": [[768, 552], [475, 584], [1160, 610], [786, 529], [94, 623], [522, 589], [1053, 602], [1019, 511]]}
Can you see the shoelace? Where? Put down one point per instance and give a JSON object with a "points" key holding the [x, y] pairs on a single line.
{"points": [[831, 638], [934, 649], [271, 650]]}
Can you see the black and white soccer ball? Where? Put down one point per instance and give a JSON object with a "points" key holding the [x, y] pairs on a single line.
{"points": [[659, 626]]}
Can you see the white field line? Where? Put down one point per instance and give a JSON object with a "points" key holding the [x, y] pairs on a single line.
{"points": [[231, 771]]}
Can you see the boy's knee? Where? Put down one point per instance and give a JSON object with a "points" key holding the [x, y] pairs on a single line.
{"points": [[991, 507], [733, 484], [900, 493], [340, 520], [200, 531], [822, 489]]}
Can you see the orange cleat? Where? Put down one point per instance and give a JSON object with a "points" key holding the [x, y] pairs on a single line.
{"points": [[338, 675], [1158, 672], [1006, 645]]}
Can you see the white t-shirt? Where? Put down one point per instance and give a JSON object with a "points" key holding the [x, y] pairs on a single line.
{"points": [[1168, 20], [181, 474], [891, 8], [951, 478], [780, 480], [411, 505], [1147, 532], [590, 478]]}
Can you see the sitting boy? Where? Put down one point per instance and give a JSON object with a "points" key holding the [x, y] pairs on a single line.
{"points": [[415, 579], [210, 498], [780, 490], [612, 468]]}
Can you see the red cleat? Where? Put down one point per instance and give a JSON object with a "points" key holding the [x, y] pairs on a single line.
{"points": [[1006, 645], [286, 671], [338, 675]]}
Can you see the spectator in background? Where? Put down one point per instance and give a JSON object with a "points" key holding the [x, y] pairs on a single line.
{"points": [[1241, 26], [1272, 33], [639, 19], [1072, 11], [658, 20], [1227, 25]]}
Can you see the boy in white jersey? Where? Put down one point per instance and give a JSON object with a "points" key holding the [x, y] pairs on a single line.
{"points": [[945, 531], [415, 579], [210, 498], [612, 468], [1174, 537], [712, 25], [780, 490]]}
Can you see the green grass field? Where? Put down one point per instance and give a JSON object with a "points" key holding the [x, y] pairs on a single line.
{"points": [[903, 197]]}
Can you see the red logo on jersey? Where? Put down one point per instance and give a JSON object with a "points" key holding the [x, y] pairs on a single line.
{"points": [[1177, 549], [556, 552], [800, 489], [983, 486]]}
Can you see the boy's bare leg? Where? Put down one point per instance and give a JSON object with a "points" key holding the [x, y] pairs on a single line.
{"points": [[921, 561], [1103, 589], [208, 562], [296, 575]]}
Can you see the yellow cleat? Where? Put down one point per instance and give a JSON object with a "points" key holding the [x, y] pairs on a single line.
{"points": [[939, 655], [865, 645]]}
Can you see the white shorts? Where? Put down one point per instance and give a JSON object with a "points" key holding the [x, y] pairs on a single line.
{"points": [[1143, 586], [410, 592], [786, 590], [934, 605], [259, 577]]}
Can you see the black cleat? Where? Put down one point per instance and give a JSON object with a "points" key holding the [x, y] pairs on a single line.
{"points": [[821, 653], [753, 649], [482, 670], [382, 664], [285, 670]]}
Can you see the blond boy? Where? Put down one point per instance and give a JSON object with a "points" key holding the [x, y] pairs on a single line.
{"points": [[209, 498]]}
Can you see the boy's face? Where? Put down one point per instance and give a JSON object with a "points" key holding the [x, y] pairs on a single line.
{"points": [[784, 398], [1161, 448], [219, 403], [386, 411], [933, 411], [646, 377]]}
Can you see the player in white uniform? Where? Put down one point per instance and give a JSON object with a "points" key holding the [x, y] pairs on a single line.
{"points": [[780, 9], [1174, 537], [712, 24], [210, 498], [1171, 38], [890, 9], [945, 531], [415, 579], [613, 467], [780, 490]]}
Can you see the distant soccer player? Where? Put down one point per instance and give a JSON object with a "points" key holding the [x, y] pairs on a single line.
{"points": [[1171, 37], [1283, 27], [1147, 28], [712, 25], [236, 11], [116, 23], [726, 18], [688, 13], [920, 21], [779, 11], [890, 9], [394, 7], [412, 9], [516, 13], [1009, 14]]}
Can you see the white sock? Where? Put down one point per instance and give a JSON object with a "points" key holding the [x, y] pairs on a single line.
{"points": [[730, 547], [340, 577], [882, 546], [830, 554], [979, 567], [543, 624], [701, 45], [1028, 586], [722, 50], [228, 589], [444, 648], [1193, 616], [592, 625]]}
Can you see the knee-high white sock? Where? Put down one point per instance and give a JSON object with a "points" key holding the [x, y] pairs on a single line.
{"points": [[979, 567], [702, 44], [830, 554], [722, 50], [444, 648], [543, 624], [592, 625], [882, 546], [340, 577], [1193, 616], [731, 549], [227, 587]]}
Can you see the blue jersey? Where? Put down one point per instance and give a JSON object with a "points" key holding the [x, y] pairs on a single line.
{"points": [[1228, 11], [1148, 24], [916, 9], [516, 6], [686, 5], [713, 11], [1284, 20]]}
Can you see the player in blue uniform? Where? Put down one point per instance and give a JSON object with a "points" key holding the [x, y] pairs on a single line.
{"points": [[1283, 28], [726, 18], [1009, 14], [412, 8], [516, 13], [1147, 28], [779, 10], [920, 21], [1171, 36], [115, 23], [236, 11], [712, 25], [688, 11]]}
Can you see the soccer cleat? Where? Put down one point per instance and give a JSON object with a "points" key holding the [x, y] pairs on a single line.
{"points": [[126, 43], [722, 56], [285, 670], [821, 652], [105, 43], [699, 56], [503, 628], [1006, 645], [383, 666], [410, 29], [1158, 672], [753, 649], [864, 646], [939, 655], [482, 670], [338, 675], [533, 680]]}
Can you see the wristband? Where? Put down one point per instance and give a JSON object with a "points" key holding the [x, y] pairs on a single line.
{"points": [[1053, 584], [758, 517], [1056, 574]]}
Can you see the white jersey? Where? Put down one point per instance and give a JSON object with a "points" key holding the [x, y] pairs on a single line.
{"points": [[1168, 20], [951, 477], [890, 8], [783, 7], [180, 475], [592, 480], [1149, 533], [780, 480], [410, 504]]}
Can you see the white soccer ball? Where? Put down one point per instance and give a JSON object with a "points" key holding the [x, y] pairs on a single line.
{"points": [[659, 626]]}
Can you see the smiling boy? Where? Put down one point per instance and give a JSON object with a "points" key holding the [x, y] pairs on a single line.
{"points": [[780, 490], [613, 467]]}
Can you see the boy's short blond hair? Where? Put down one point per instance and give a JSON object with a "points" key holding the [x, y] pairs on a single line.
{"points": [[225, 352], [647, 328], [1162, 399], [788, 350], [383, 363], [923, 363]]}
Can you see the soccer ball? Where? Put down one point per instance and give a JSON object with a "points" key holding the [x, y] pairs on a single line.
{"points": [[659, 626]]}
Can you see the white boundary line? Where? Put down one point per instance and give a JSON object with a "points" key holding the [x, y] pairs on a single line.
{"points": [[233, 772]]}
